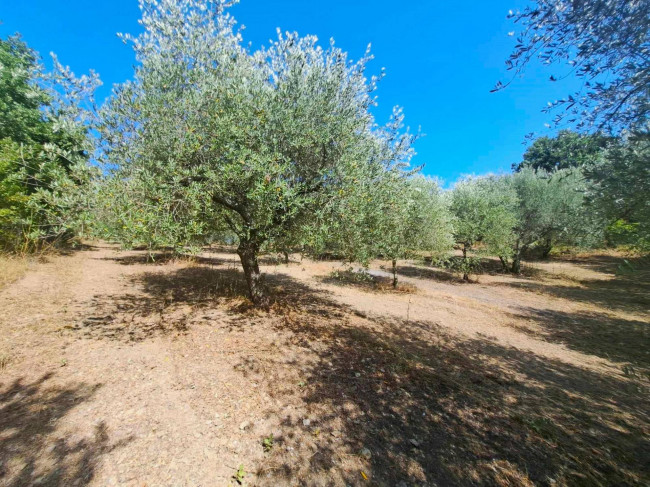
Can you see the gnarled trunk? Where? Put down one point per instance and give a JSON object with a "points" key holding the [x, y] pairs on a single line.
{"points": [[248, 251], [394, 274]]}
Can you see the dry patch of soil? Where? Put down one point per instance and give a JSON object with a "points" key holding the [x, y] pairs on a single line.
{"points": [[11, 268], [122, 371]]}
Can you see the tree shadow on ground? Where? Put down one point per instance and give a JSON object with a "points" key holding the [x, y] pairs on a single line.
{"points": [[32, 451], [368, 281], [620, 293], [405, 403], [163, 258], [431, 273], [164, 302], [413, 405], [613, 338], [607, 264]]}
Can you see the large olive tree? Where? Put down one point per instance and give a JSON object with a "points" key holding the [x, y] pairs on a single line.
{"points": [[258, 141]]}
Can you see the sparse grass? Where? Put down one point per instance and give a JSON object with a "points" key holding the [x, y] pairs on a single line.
{"points": [[4, 360], [369, 282], [267, 443], [11, 269]]}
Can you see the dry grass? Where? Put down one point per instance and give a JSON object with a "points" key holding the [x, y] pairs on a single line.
{"points": [[368, 282], [11, 269]]}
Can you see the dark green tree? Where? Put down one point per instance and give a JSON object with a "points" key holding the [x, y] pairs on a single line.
{"points": [[619, 185], [566, 150]]}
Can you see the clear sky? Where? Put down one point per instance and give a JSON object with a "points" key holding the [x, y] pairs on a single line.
{"points": [[441, 59]]}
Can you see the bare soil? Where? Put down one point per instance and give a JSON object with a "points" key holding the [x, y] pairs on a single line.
{"points": [[115, 370]]}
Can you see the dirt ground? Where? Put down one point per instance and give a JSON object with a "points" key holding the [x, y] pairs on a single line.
{"points": [[118, 371]]}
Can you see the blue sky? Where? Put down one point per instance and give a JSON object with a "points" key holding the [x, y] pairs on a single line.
{"points": [[441, 59]]}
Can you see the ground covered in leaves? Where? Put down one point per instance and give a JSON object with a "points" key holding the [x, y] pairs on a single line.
{"points": [[116, 370]]}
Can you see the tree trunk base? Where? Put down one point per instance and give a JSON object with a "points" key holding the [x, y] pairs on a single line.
{"points": [[247, 252]]}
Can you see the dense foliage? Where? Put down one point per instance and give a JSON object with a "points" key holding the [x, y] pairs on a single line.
{"points": [[44, 174], [619, 189], [277, 150], [550, 210], [483, 210], [250, 141], [567, 149]]}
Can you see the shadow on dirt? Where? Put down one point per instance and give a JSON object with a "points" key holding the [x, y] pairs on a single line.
{"points": [[620, 293], [616, 339], [431, 273], [32, 452], [416, 406], [163, 259], [403, 403]]}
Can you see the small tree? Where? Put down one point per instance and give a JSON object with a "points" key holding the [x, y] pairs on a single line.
{"points": [[414, 217], [253, 140], [484, 211]]}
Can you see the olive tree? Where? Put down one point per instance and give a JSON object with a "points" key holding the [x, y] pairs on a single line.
{"points": [[254, 140], [484, 212], [618, 186], [550, 210], [414, 218], [44, 149]]}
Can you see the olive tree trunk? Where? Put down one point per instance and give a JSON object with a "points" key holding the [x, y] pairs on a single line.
{"points": [[546, 248], [394, 273], [248, 251], [465, 273], [516, 259]]}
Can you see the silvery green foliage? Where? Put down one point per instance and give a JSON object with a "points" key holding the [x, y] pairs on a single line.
{"points": [[414, 217], [259, 142], [550, 210], [484, 212], [44, 170], [604, 43], [62, 203]]}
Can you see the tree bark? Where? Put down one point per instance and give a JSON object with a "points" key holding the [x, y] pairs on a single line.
{"points": [[516, 259], [465, 273], [286, 256], [546, 248], [504, 264], [248, 251], [394, 273]]}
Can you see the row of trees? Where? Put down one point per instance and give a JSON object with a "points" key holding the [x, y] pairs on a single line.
{"points": [[276, 150]]}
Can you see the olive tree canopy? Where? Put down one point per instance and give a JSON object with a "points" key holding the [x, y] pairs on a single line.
{"points": [[257, 141]]}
